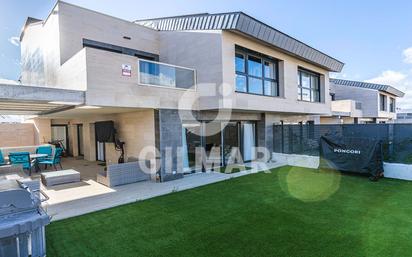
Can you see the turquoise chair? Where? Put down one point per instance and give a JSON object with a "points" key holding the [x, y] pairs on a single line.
{"points": [[2, 161], [44, 150], [56, 159], [22, 158]]}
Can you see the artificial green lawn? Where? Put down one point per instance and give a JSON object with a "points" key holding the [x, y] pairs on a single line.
{"points": [[289, 212]]}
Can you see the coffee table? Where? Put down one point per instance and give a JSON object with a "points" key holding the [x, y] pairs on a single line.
{"points": [[52, 178]]}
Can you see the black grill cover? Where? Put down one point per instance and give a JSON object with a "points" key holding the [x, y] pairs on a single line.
{"points": [[359, 155], [105, 131]]}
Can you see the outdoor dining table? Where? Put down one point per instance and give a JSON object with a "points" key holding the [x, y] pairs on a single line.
{"points": [[34, 156], [37, 155]]}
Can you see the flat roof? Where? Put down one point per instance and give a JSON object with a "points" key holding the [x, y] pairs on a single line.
{"points": [[34, 100], [247, 25], [380, 87]]}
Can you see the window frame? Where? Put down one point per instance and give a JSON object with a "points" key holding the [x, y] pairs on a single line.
{"points": [[392, 104], [383, 105], [310, 88], [264, 58]]}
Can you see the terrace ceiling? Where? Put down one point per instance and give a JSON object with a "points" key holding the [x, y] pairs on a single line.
{"points": [[32, 100]]}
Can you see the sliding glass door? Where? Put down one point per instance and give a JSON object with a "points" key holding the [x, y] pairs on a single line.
{"points": [[80, 141], [60, 133], [191, 140], [100, 151], [213, 144], [231, 142], [221, 146], [248, 141]]}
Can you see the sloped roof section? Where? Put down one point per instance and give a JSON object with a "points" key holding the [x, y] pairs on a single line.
{"points": [[385, 88], [245, 24], [29, 20]]}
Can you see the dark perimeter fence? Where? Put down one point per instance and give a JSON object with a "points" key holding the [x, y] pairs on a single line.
{"points": [[304, 139]]}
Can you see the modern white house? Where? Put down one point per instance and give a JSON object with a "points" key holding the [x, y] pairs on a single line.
{"points": [[214, 81], [361, 102]]}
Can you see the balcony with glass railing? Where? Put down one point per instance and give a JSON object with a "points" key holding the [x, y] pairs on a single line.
{"points": [[166, 75]]}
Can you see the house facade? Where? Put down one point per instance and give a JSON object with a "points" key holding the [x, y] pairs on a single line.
{"points": [[404, 116], [169, 85], [361, 102]]}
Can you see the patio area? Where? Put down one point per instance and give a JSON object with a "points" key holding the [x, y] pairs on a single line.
{"points": [[88, 169], [74, 199]]}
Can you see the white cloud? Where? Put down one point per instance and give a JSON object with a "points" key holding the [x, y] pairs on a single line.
{"points": [[407, 55], [399, 80], [15, 41], [389, 77]]}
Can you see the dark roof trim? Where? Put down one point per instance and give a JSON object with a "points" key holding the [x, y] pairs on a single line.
{"points": [[245, 24], [29, 20], [385, 88], [119, 49]]}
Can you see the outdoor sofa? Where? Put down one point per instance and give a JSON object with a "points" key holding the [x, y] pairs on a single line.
{"points": [[123, 173]]}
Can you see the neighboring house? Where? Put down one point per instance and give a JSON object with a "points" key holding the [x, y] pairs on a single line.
{"points": [[90, 67], [404, 116], [361, 102]]}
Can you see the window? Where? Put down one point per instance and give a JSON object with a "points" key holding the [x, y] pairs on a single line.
{"points": [[383, 103], [256, 73], [392, 105], [255, 86], [241, 83], [240, 63], [308, 86], [254, 66]]}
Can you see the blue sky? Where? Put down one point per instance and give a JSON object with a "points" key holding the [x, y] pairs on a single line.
{"points": [[371, 37]]}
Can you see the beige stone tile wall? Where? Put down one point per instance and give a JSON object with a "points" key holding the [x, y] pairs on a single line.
{"points": [[42, 130], [77, 23], [136, 129], [17, 134], [288, 84]]}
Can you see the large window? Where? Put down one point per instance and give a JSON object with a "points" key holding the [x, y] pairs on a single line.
{"points": [[392, 106], [308, 86], [256, 73], [383, 103]]}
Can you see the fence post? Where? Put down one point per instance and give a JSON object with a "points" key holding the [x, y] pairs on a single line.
{"points": [[390, 139], [301, 137], [290, 139], [283, 136]]}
